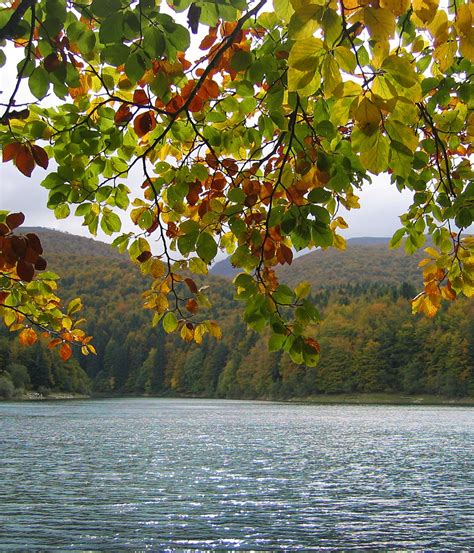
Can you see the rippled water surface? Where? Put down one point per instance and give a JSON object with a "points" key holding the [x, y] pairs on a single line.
{"points": [[199, 474]]}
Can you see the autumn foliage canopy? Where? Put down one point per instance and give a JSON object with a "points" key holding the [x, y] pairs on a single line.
{"points": [[240, 127]]}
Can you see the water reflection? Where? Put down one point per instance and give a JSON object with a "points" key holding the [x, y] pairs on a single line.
{"points": [[137, 474]]}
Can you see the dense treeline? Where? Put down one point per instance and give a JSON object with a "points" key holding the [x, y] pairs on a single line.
{"points": [[370, 343]]}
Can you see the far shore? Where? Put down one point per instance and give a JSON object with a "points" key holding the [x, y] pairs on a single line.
{"points": [[322, 399]]}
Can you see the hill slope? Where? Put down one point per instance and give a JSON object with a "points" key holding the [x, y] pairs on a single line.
{"points": [[370, 341]]}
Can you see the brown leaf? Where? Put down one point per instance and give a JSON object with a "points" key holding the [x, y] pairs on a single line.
{"points": [[286, 253], [19, 245], [40, 156], [24, 161], [191, 285], [41, 264], [144, 256], [52, 62], [25, 270], [34, 242], [123, 115], [140, 97], [14, 220]]}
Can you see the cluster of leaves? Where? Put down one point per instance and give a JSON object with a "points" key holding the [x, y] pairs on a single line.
{"points": [[251, 145], [28, 302]]}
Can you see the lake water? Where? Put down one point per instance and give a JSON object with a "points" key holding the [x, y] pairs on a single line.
{"points": [[202, 474]]}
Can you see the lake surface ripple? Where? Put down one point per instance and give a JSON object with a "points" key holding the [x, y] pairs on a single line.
{"points": [[206, 474]]}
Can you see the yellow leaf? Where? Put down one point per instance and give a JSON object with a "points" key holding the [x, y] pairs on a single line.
{"points": [[397, 7], [433, 252], [339, 242], [444, 54], [199, 332], [439, 28], [380, 23], [339, 222], [368, 116], [157, 268], [303, 62], [214, 329], [302, 289], [331, 74], [187, 333], [283, 9], [425, 10]]}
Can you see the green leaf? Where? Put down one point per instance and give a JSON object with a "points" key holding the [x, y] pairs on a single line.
{"points": [[396, 239], [105, 8], [116, 55], [241, 60], [135, 67], [206, 247], [154, 42], [170, 322], [39, 82], [276, 341], [375, 159]]}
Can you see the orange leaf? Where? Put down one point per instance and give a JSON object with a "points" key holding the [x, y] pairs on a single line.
{"points": [[27, 337], [65, 351], [144, 123], [10, 151], [24, 161], [312, 343], [40, 156], [54, 343]]}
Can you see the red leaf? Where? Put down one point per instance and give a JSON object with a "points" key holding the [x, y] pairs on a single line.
{"points": [[14, 220], [65, 351], [144, 123], [25, 161], [40, 156], [10, 151], [192, 305]]}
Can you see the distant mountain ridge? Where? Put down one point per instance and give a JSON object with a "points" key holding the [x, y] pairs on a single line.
{"points": [[366, 260], [59, 242]]}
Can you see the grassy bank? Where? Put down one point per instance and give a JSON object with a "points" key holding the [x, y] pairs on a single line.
{"points": [[384, 399]]}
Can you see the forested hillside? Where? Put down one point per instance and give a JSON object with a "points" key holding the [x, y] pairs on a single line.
{"points": [[370, 341]]}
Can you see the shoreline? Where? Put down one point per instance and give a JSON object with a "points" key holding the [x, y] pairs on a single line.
{"points": [[322, 399]]}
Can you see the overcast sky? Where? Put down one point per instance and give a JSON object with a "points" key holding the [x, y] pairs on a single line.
{"points": [[381, 204]]}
